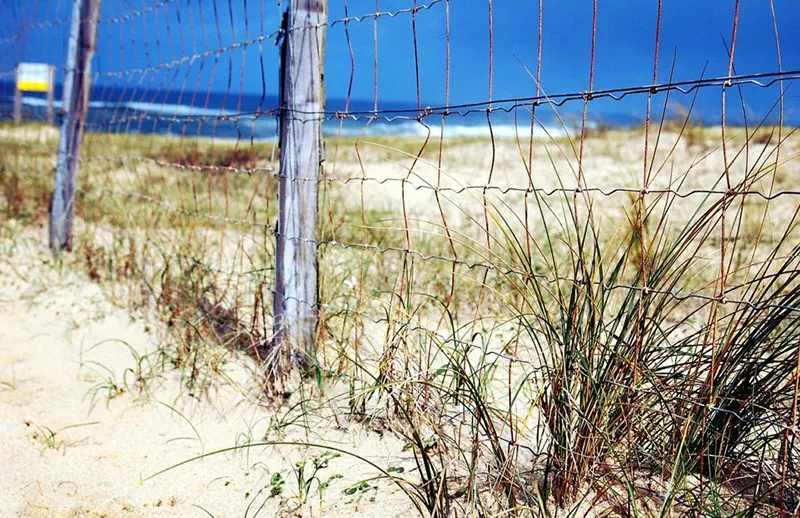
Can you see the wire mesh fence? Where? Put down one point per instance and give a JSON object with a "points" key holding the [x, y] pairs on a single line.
{"points": [[569, 304]]}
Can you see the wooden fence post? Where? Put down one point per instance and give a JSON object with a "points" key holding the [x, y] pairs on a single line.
{"points": [[295, 302], [51, 94], [76, 104], [17, 97]]}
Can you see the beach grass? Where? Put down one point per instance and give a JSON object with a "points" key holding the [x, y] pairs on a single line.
{"points": [[547, 334]]}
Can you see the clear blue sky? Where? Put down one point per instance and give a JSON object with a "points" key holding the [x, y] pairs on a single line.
{"points": [[693, 30]]}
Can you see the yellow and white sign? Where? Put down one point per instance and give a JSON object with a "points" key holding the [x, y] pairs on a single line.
{"points": [[33, 77]]}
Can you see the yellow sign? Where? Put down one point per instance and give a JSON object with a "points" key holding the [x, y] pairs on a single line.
{"points": [[29, 86], [33, 77]]}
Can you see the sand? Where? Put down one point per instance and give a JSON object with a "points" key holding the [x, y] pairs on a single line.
{"points": [[61, 339]]}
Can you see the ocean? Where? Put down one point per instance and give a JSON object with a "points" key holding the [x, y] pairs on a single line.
{"points": [[244, 117], [231, 116]]}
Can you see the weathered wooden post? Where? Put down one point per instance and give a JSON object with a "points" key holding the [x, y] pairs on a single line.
{"points": [[295, 303], [76, 104], [17, 96], [51, 95]]}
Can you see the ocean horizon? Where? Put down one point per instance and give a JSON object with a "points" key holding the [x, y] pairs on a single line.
{"points": [[131, 110]]}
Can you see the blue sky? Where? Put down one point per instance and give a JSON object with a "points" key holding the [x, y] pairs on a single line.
{"points": [[694, 31]]}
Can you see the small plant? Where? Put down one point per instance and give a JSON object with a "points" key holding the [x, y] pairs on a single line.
{"points": [[360, 491], [306, 475], [49, 438], [108, 388], [276, 484]]}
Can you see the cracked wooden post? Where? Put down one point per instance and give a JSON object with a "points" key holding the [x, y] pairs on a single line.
{"points": [[75, 105], [295, 303]]}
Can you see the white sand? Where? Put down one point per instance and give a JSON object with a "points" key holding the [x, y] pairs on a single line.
{"points": [[49, 325]]}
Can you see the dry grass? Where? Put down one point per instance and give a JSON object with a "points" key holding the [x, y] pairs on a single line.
{"points": [[541, 350]]}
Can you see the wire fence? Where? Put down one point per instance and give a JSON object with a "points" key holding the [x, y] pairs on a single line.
{"points": [[657, 252]]}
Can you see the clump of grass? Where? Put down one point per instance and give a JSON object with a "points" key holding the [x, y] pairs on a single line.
{"points": [[737, 402], [245, 157], [618, 387], [24, 194]]}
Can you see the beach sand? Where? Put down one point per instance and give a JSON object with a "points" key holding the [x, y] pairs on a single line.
{"points": [[80, 439], [68, 451]]}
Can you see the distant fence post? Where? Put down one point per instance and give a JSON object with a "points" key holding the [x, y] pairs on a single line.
{"points": [[17, 97], [51, 94], [75, 105], [296, 276]]}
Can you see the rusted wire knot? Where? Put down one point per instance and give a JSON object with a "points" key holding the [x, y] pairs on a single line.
{"points": [[424, 113], [339, 115], [587, 96]]}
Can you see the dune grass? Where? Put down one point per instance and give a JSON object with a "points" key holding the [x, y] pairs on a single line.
{"points": [[541, 352]]}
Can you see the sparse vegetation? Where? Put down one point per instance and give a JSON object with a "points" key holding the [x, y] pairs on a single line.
{"points": [[636, 356], [52, 439]]}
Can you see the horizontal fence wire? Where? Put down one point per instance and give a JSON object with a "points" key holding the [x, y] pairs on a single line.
{"points": [[275, 173], [508, 105], [677, 296]]}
